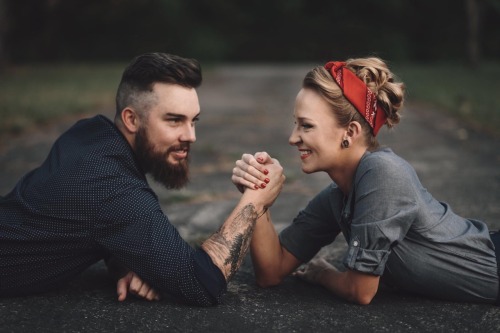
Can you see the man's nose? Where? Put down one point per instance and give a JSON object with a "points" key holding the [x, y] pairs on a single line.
{"points": [[189, 134]]}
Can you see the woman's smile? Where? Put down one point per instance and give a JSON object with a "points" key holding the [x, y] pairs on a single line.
{"points": [[305, 153]]}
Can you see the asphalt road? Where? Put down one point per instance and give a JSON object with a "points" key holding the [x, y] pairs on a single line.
{"points": [[249, 109]]}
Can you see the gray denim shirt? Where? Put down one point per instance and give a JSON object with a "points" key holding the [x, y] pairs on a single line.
{"points": [[395, 228]]}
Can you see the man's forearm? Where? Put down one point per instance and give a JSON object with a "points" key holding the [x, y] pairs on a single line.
{"points": [[228, 246]]}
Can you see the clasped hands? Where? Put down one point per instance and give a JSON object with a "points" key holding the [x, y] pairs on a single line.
{"points": [[252, 171]]}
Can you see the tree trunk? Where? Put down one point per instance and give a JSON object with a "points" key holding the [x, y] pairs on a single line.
{"points": [[472, 13], [3, 32]]}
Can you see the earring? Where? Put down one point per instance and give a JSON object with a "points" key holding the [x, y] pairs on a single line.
{"points": [[345, 143]]}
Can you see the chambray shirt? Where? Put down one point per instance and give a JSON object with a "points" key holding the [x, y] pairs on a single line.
{"points": [[396, 229], [87, 201]]}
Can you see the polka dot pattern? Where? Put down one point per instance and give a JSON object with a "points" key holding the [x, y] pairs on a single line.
{"points": [[87, 200]]}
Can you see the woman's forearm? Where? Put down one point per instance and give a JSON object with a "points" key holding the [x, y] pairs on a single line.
{"points": [[350, 285], [271, 262]]}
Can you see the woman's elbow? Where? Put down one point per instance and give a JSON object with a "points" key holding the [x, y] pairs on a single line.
{"points": [[362, 298]]}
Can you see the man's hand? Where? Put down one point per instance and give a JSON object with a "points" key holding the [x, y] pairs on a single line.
{"points": [[133, 284]]}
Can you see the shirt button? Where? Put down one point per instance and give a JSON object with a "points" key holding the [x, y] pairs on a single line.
{"points": [[355, 243]]}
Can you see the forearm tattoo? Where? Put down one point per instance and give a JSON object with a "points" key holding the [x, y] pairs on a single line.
{"points": [[228, 246]]}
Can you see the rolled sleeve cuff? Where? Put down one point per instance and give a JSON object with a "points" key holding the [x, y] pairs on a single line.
{"points": [[365, 260]]}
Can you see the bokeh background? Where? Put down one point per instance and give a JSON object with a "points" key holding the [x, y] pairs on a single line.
{"points": [[66, 56], [465, 31]]}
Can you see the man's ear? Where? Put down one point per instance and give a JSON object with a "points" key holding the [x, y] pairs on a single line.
{"points": [[130, 120]]}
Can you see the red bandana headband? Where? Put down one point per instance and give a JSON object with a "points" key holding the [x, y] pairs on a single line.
{"points": [[356, 92]]}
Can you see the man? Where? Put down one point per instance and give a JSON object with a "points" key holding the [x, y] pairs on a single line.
{"points": [[90, 199]]}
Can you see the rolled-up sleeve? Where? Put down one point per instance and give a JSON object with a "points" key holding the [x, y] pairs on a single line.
{"points": [[384, 210]]}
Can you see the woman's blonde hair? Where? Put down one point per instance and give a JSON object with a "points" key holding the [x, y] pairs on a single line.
{"points": [[377, 77]]}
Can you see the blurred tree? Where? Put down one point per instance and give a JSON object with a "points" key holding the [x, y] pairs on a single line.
{"points": [[3, 31], [258, 30], [472, 8]]}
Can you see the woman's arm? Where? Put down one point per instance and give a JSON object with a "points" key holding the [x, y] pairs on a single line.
{"points": [[271, 262], [350, 285]]}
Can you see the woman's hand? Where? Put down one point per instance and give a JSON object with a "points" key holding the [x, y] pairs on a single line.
{"points": [[133, 284], [251, 171], [314, 271]]}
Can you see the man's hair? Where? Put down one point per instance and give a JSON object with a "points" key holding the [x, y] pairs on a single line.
{"points": [[136, 85]]}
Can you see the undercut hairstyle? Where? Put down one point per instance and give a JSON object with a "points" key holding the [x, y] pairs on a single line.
{"points": [[136, 86]]}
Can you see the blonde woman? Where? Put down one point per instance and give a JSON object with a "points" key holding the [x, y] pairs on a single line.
{"points": [[396, 231]]}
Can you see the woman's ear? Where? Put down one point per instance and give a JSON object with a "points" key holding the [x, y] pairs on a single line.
{"points": [[354, 129], [130, 120]]}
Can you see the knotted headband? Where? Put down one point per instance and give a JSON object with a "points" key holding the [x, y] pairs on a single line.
{"points": [[356, 92]]}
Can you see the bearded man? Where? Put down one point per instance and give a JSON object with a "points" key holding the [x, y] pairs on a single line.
{"points": [[90, 199]]}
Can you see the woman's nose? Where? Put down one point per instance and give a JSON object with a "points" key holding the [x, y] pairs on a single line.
{"points": [[294, 138]]}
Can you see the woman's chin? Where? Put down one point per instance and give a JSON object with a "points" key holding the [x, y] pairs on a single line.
{"points": [[308, 170]]}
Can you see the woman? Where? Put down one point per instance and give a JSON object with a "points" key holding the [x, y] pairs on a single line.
{"points": [[394, 228]]}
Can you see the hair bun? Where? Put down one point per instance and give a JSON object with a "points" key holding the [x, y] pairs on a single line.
{"points": [[381, 81]]}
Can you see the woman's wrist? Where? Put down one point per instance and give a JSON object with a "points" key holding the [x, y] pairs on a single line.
{"points": [[264, 211]]}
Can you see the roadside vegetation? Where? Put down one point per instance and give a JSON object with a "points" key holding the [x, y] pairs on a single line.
{"points": [[470, 94], [32, 95]]}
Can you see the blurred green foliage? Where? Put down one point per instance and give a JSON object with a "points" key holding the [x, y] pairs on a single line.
{"points": [[249, 31], [41, 40], [31, 95], [470, 94], [36, 94]]}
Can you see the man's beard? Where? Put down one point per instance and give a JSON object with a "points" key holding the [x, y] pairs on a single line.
{"points": [[154, 162]]}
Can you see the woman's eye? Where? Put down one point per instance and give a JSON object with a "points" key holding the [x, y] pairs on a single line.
{"points": [[306, 126]]}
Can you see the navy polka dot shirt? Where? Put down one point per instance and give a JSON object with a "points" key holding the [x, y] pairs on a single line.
{"points": [[87, 201]]}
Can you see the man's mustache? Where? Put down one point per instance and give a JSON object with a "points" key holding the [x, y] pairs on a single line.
{"points": [[183, 146]]}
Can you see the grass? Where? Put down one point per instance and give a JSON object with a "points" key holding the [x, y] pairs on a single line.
{"points": [[31, 95], [36, 94], [472, 95]]}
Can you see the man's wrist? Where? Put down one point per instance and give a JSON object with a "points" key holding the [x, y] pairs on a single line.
{"points": [[252, 198]]}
